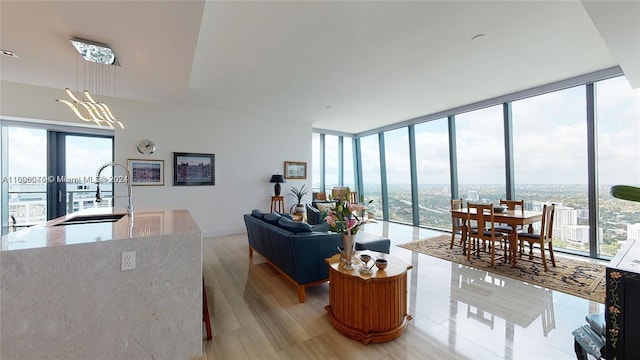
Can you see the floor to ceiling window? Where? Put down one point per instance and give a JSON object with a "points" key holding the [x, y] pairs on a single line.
{"points": [[316, 166], [550, 156], [331, 161], [618, 132], [434, 181], [81, 169], [480, 145], [49, 172], [25, 179], [349, 174], [372, 187], [550, 161], [398, 175]]}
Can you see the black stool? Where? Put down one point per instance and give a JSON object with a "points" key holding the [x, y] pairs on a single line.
{"points": [[590, 338]]}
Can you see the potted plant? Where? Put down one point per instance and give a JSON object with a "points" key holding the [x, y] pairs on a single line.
{"points": [[299, 193]]}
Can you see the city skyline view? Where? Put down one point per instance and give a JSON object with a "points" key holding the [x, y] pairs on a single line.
{"points": [[619, 220], [549, 152]]}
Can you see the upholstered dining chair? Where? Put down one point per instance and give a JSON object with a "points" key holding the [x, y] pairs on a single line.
{"points": [[511, 205], [485, 232], [544, 236]]}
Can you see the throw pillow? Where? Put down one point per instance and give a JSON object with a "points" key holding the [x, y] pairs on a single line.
{"points": [[293, 226], [257, 214], [272, 218]]}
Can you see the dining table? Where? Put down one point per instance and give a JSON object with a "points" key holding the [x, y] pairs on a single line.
{"points": [[514, 218]]}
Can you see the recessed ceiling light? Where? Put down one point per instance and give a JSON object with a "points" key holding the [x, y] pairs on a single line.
{"points": [[9, 53], [478, 37], [94, 51]]}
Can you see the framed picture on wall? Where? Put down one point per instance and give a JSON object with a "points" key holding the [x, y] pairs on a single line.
{"points": [[146, 172], [295, 170], [193, 169]]}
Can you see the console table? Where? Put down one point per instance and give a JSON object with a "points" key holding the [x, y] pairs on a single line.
{"points": [[368, 308], [622, 313]]}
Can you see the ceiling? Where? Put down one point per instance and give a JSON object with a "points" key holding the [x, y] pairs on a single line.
{"points": [[343, 66]]}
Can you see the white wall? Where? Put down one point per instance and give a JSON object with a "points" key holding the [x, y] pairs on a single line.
{"points": [[248, 150]]}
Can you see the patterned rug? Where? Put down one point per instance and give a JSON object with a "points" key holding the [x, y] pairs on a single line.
{"points": [[575, 277]]}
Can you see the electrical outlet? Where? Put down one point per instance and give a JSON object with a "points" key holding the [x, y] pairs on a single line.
{"points": [[128, 260]]}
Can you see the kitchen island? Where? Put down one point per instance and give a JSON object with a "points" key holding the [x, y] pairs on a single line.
{"points": [[64, 295]]}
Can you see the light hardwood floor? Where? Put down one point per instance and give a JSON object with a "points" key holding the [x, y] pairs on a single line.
{"points": [[458, 312]]}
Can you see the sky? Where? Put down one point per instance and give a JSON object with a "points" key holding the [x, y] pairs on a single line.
{"points": [[27, 153], [549, 136]]}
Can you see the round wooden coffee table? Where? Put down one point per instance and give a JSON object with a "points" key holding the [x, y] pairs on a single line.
{"points": [[368, 307]]}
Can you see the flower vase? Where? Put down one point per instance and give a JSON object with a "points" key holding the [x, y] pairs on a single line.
{"points": [[349, 249]]}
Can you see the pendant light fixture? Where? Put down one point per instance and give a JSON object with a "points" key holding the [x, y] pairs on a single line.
{"points": [[101, 62]]}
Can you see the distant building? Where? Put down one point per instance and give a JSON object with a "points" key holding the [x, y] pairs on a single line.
{"points": [[566, 217], [472, 196], [578, 234], [633, 232]]}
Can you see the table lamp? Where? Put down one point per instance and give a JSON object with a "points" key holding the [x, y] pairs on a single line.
{"points": [[277, 179]]}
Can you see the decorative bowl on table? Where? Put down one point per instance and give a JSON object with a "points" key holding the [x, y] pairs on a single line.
{"points": [[381, 264], [499, 209]]}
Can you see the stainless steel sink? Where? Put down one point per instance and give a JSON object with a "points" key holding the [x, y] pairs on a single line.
{"points": [[91, 219]]}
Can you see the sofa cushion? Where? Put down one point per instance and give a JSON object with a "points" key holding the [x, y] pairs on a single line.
{"points": [[257, 214], [272, 218], [286, 215], [322, 227], [293, 226], [366, 241]]}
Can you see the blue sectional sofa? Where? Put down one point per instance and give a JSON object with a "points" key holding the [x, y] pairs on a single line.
{"points": [[298, 250]]}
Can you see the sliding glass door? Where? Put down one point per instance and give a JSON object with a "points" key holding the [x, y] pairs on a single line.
{"points": [[24, 176]]}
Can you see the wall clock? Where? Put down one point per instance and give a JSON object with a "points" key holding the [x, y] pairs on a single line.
{"points": [[146, 147]]}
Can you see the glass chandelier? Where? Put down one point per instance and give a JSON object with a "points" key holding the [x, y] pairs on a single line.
{"points": [[99, 58]]}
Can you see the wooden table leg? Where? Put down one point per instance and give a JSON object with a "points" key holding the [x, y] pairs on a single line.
{"points": [[513, 246], [463, 240]]}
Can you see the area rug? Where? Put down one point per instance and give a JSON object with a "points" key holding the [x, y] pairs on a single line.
{"points": [[575, 277]]}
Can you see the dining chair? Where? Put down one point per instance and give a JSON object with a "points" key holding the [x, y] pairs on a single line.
{"points": [[485, 232], [353, 197], [457, 224], [544, 236], [511, 205]]}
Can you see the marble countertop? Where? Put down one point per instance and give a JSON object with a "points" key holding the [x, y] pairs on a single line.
{"points": [[143, 223]]}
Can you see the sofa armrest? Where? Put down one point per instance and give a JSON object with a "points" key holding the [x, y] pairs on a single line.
{"points": [[309, 253], [313, 215]]}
